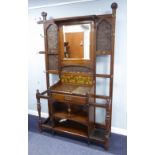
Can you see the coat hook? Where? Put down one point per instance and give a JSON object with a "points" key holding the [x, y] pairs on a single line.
{"points": [[42, 36]]}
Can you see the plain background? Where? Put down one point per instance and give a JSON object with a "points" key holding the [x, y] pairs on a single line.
{"points": [[14, 77]]}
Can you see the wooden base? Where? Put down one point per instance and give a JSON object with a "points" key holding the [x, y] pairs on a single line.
{"points": [[74, 129], [106, 144]]}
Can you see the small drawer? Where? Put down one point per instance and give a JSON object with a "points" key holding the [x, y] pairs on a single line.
{"points": [[69, 98], [58, 97], [78, 99]]}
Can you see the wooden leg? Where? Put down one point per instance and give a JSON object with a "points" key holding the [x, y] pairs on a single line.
{"points": [[106, 144], [51, 111], [39, 111], [107, 132]]}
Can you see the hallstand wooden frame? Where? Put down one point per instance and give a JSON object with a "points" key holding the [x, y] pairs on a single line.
{"points": [[103, 25]]}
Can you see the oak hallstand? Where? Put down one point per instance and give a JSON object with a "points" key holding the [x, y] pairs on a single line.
{"points": [[72, 101]]}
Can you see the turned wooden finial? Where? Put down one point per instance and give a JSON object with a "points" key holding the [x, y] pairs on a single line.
{"points": [[114, 6], [37, 91], [44, 15]]}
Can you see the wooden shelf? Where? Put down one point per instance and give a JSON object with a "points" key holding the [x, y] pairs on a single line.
{"points": [[76, 129], [53, 71], [99, 105], [76, 18], [73, 117], [72, 128], [101, 96], [100, 53], [104, 75]]}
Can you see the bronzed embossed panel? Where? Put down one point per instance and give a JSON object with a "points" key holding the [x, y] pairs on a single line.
{"points": [[104, 36], [52, 38], [53, 62], [77, 79]]}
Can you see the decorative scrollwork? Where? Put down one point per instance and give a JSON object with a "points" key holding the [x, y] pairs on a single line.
{"points": [[77, 79]]}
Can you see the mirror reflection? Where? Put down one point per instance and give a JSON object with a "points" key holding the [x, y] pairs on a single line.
{"points": [[76, 41]]}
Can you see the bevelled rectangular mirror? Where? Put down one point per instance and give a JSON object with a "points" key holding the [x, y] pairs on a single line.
{"points": [[76, 41]]}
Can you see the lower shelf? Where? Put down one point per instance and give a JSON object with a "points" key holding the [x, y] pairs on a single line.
{"points": [[72, 128], [73, 117], [76, 129]]}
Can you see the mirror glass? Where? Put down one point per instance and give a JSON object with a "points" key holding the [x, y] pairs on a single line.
{"points": [[76, 41]]}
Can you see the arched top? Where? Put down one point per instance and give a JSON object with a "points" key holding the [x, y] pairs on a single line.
{"points": [[104, 37], [52, 38]]}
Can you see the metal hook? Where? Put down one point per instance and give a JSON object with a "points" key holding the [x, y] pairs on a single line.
{"points": [[42, 36]]}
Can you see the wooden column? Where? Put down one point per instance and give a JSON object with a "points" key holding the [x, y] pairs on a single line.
{"points": [[44, 15], [114, 7]]}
